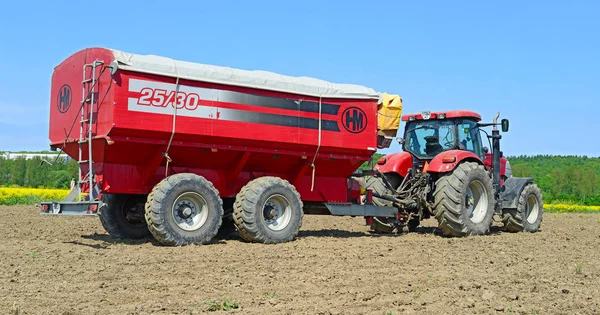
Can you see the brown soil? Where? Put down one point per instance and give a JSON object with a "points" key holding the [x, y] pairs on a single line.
{"points": [[69, 265]]}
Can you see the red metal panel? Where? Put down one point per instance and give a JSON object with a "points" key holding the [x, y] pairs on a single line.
{"points": [[449, 114], [437, 165], [66, 96], [399, 162]]}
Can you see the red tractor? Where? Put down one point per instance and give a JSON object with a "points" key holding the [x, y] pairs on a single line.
{"points": [[446, 172]]}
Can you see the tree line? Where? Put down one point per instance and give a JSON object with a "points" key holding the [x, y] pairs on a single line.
{"points": [[36, 173], [561, 178]]}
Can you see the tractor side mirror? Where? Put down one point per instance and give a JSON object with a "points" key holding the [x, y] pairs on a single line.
{"points": [[505, 124]]}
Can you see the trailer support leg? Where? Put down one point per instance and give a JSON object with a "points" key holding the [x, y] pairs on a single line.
{"points": [[298, 171], [237, 169]]}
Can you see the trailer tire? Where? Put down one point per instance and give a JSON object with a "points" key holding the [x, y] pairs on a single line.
{"points": [[122, 216], [268, 210], [527, 217], [468, 183], [237, 216], [184, 209]]}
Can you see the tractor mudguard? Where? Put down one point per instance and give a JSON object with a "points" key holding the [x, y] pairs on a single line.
{"points": [[513, 186], [448, 160], [399, 162]]}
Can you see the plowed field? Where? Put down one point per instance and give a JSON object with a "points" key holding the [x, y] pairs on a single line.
{"points": [[69, 265]]}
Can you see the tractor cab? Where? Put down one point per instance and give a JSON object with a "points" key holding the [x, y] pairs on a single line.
{"points": [[428, 134]]}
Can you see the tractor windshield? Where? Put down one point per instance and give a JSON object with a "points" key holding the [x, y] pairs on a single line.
{"points": [[427, 138]]}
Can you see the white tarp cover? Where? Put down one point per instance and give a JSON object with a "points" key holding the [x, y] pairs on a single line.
{"points": [[244, 78]]}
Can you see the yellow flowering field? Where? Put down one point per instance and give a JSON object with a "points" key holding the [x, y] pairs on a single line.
{"points": [[561, 207], [28, 196]]}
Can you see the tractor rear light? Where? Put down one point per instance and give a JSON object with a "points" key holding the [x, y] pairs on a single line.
{"points": [[93, 208], [382, 161], [363, 190], [449, 159], [45, 208]]}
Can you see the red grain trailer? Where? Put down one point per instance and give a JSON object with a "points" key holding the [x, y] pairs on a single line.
{"points": [[177, 149]]}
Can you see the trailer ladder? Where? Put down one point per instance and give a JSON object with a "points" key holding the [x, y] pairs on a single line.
{"points": [[88, 99]]}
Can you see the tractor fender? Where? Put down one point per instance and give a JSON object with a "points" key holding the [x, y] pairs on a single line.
{"points": [[449, 160], [398, 162], [510, 192]]}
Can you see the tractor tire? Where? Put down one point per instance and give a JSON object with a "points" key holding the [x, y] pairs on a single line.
{"points": [[464, 201], [228, 226], [527, 217], [122, 216], [184, 209], [268, 210], [383, 224]]}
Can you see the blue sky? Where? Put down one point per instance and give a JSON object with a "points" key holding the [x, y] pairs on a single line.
{"points": [[537, 62]]}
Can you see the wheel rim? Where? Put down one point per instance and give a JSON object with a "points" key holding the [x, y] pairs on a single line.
{"points": [[190, 211], [132, 212], [477, 201], [533, 209], [277, 212]]}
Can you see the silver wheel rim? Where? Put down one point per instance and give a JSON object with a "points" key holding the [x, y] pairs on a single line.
{"points": [[533, 209], [477, 201], [190, 211], [277, 212]]}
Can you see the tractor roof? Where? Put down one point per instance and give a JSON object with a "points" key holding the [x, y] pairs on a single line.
{"points": [[448, 115]]}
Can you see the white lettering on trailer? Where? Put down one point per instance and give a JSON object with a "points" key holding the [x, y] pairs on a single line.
{"points": [[157, 97]]}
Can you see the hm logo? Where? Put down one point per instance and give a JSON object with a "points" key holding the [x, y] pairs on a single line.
{"points": [[64, 98], [354, 119]]}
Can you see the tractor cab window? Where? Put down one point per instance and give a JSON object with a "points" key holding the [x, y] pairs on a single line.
{"points": [[469, 138], [427, 138]]}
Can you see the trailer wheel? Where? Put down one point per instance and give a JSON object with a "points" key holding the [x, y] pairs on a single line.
{"points": [[464, 201], [122, 216], [237, 216], [184, 209], [527, 217], [268, 210]]}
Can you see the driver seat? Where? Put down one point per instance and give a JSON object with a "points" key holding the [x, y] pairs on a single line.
{"points": [[432, 146]]}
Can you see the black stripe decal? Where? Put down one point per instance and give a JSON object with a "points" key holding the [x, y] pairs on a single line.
{"points": [[286, 121], [276, 102]]}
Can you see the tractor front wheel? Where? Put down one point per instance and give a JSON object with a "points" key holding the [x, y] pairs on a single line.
{"points": [[527, 217], [268, 210], [464, 201], [184, 209]]}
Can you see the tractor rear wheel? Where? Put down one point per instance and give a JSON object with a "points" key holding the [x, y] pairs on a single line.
{"points": [[122, 216], [382, 224], [268, 210], [184, 209], [464, 201], [527, 217]]}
